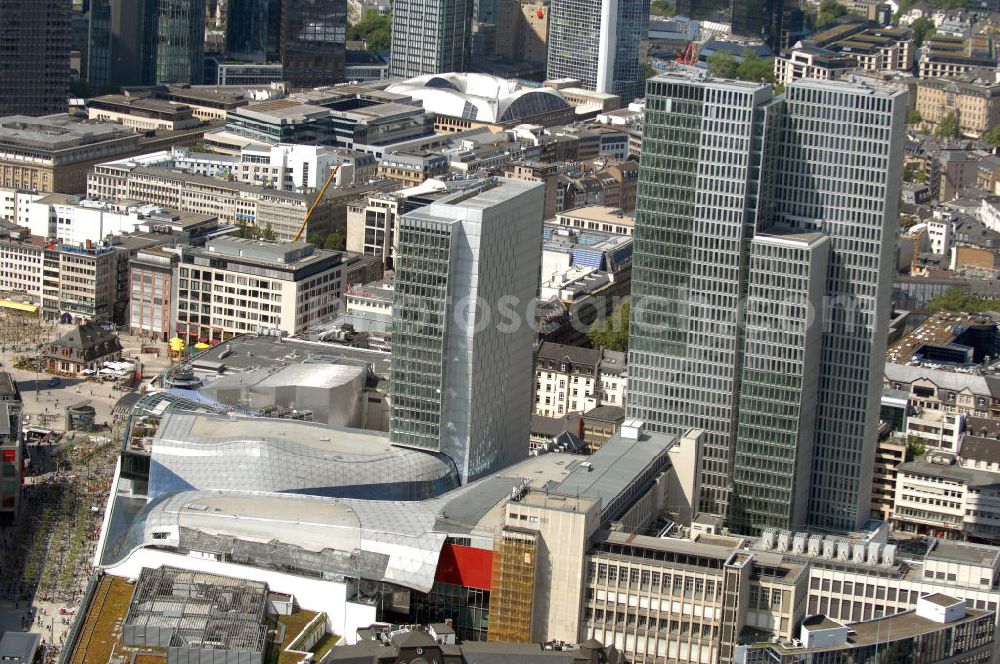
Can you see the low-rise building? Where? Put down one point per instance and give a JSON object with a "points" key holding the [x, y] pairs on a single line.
{"points": [[569, 379], [807, 61], [86, 346], [22, 256], [233, 286], [945, 56], [141, 113], [412, 169], [11, 461], [598, 218]]}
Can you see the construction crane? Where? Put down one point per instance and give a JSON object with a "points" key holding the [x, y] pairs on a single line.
{"points": [[689, 56], [319, 197]]}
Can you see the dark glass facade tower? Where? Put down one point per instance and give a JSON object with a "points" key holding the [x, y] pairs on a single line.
{"points": [[99, 45], [759, 19], [133, 42], [247, 24], [180, 41], [35, 43], [313, 41]]}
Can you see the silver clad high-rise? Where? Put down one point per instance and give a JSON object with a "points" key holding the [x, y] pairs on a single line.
{"points": [[601, 43], [840, 172], [734, 181], [466, 278]]}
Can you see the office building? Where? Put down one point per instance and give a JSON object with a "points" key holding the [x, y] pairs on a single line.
{"points": [[466, 273], [973, 98], [599, 43], [11, 461], [247, 29], [687, 268], [220, 291], [430, 37], [98, 54], [131, 46], [54, 153], [180, 41], [691, 346], [34, 56], [313, 41], [759, 19]]}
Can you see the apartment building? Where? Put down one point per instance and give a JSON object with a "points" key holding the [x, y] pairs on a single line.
{"points": [[973, 97], [22, 256], [598, 218], [54, 153], [569, 379], [889, 454], [92, 283], [936, 429], [946, 391], [15, 204], [233, 285], [412, 169]]}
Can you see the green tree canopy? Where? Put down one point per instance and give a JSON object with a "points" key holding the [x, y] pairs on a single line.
{"points": [[829, 12], [914, 117], [723, 64], [374, 29], [662, 8], [923, 29], [755, 68], [993, 136], [956, 299], [948, 127], [612, 332]]}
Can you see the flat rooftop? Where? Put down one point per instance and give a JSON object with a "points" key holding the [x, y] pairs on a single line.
{"points": [[58, 132], [962, 552], [603, 213]]}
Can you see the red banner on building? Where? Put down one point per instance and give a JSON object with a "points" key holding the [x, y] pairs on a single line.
{"points": [[465, 566]]}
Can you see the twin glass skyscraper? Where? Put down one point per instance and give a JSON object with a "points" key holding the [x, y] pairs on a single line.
{"points": [[761, 288]]}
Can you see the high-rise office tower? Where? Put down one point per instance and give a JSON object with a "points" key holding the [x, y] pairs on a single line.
{"points": [[735, 190], [466, 277], [313, 41], [430, 37], [696, 210], [247, 29], [180, 41], [34, 56], [772, 460], [840, 173], [99, 45], [134, 25], [759, 19], [601, 43]]}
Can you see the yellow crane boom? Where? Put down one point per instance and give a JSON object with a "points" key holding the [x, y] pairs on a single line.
{"points": [[302, 228]]}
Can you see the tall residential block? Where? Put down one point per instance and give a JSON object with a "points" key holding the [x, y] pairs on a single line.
{"points": [[180, 41], [466, 276], [34, 56], [733, 184], [430, 37], [313, 41], [601, 43]]}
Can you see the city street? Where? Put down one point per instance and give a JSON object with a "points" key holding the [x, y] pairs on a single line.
{"points": [[46, 557]]}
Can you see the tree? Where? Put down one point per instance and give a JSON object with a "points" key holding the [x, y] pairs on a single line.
{"points": [[612, 331], [914, 117], [268, 233], [923, 29], [829, 12], [914, 447], [956, 299], [948, 127], [755, 68], [662, 8], [374, 29], [334, 241], [723, 64], [993, 136]]}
